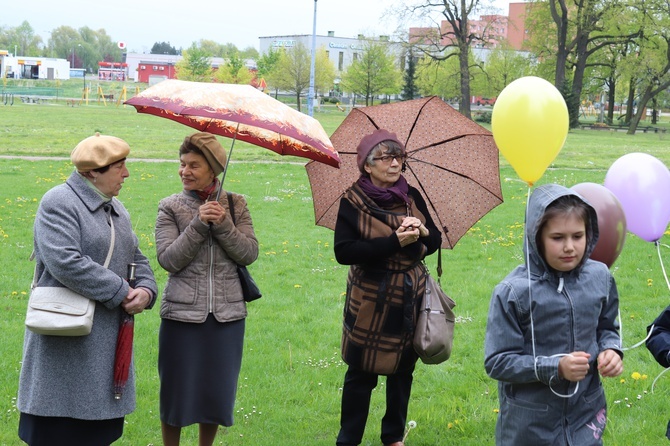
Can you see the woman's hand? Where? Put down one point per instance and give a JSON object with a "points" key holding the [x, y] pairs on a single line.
{"points": [[406, 235], [414, 223], [212, 212], [136, 300]]}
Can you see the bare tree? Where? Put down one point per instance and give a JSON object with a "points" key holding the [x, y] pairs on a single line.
{"points": [[653, 58], [583, 28], [453, 39]]}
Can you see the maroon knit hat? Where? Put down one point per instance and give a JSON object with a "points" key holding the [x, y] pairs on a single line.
{"points": [[370, 141]]}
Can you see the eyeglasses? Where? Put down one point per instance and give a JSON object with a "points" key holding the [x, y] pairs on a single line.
{"points": [[386, 159]]}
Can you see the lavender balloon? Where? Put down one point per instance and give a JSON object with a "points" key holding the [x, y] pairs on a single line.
{"points": [[641, 182]]}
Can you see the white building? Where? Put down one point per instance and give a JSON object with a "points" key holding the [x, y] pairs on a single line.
{"points": [[25, 67], [342, 51]]}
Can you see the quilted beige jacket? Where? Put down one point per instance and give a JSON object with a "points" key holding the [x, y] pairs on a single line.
{"points": [[201, 261]]}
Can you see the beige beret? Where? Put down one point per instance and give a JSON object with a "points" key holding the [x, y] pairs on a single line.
{"points": [[210, 148], [98, 151]]}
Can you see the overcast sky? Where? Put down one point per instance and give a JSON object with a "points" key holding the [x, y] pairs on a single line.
{"points": [[141, 23]]}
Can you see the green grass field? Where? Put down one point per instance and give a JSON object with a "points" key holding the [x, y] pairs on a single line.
{"points": [[290, 385]]}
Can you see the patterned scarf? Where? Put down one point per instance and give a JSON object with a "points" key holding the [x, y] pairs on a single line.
{"points": [[206, 193], [386, 197]]}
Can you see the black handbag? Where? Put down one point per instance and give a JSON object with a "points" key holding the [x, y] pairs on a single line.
{"points": [[250, 290]]}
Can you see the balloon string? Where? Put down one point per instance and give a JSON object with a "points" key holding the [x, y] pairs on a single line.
{"points": [[651, 329], [660, 259], [659, 375]]}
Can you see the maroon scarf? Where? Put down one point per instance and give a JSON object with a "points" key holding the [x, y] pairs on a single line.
{"points": [[206, 193], [385, 197]]}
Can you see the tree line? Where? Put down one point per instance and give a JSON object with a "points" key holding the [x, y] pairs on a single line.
{"points": [[588, 49]]}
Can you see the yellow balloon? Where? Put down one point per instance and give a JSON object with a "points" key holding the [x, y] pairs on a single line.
{"points": [[530, 123]]}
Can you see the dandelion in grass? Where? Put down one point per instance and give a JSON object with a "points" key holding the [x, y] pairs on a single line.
{"points": [[411, 425], [297, 285], [636, 375]]}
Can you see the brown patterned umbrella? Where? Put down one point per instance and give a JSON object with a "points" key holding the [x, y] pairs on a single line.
{"points": [[452, 160], [241, 112]]}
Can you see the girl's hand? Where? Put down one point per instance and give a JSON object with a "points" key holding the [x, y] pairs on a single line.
{"points": [[574, 366], [609, 363]]}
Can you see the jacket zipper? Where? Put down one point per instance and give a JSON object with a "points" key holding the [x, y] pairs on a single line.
{"points": [[210, 276]]}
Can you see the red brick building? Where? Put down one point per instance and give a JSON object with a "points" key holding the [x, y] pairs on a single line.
{"points": [[494, 28], [147, 69]]}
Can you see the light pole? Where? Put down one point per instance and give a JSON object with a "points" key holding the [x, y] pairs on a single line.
{"points": [[310, 100], [82, 58]]}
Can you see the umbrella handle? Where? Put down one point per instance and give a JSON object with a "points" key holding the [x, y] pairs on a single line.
{"points": [[225, 169], [132, 280]]}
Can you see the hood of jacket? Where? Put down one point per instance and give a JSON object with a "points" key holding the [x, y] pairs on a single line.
{"points": [[539, 200]]}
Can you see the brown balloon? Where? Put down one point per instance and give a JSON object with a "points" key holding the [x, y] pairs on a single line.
{"points": [[611, 221]]}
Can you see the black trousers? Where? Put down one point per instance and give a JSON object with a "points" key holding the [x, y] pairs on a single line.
{"points": [[356, 394]]}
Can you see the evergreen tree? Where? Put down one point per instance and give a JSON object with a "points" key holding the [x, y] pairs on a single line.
{"points": [[163, 48], [409, 90]]}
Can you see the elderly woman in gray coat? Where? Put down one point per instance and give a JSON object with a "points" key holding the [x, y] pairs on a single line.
{"points": [[202, 310], [66, 389]]}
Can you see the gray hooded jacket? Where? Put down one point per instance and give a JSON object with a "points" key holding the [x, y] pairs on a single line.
{"points": [[571, 311]]}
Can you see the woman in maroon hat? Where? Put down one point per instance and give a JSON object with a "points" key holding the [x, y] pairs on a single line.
{"points": [[202, 309], [384, 232]]}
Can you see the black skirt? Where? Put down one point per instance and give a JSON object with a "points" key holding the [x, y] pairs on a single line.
{"points": [[61, 431], [198, 366]]}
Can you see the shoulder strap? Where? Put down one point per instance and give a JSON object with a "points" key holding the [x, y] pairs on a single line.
{"points": [[107, 260], [111, 243], [231, 206]]}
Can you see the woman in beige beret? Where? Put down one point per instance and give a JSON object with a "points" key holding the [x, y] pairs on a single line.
{"points": [[202, 309], [66, 387]]}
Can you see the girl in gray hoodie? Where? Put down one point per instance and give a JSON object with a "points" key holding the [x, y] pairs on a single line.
{"points": [[552, 329]]}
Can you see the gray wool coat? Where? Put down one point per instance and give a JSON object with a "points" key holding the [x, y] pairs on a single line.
{"points": [[571, 311], [73, 376]]}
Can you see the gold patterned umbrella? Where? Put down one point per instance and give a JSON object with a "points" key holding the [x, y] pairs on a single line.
{"points": [[452, 161], [241, 112]]}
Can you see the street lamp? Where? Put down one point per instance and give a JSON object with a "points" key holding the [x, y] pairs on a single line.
{"points": [[72, 57], [310, 100]]}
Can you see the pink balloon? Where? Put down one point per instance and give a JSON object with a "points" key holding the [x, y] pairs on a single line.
{"points": [[642, 184], [611, 221]]}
